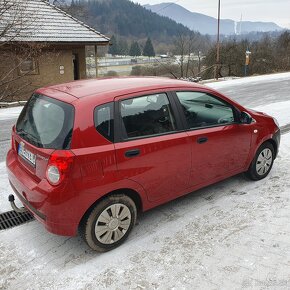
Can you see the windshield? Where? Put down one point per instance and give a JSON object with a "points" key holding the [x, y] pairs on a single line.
{"points": [[46, 123]]}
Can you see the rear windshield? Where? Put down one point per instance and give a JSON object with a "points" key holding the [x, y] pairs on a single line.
{"points": [[46, 123]]}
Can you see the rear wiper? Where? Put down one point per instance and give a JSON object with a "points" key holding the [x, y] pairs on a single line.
{"points": [[22, 132], [29, 136]]}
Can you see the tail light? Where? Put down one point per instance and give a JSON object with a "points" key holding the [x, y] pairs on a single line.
{"points": [[58, 166]]}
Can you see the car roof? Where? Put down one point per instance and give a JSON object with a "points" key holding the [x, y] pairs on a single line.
{"points": [[115, 86]]}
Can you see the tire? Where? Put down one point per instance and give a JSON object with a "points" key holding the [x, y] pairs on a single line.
{"points": [[262, 162], [109, 223]]}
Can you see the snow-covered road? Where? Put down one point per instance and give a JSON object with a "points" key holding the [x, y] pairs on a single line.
{"points": [[256, 90], [231, 235]]}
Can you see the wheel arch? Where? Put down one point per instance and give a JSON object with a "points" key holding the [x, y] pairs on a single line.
{"points": [[133, 194], [274, 144], [268, 139]]}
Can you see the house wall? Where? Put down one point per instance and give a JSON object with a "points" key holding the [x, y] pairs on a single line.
{"points": [[54, 66], [49, 68]]}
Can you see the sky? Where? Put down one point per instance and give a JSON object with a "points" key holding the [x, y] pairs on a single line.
{"points": [[277, 11]]}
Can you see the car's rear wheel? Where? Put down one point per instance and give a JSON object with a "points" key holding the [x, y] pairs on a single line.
{"points": [[109, 223], [262, 162]]}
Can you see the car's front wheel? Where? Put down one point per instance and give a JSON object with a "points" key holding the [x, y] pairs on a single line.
{"points": [[262, 162], [109, 223]]}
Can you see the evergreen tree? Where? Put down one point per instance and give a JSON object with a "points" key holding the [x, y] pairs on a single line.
{"points": [[129, 20], [123, 47], [135, 49], [113, 48], [148, 48]]}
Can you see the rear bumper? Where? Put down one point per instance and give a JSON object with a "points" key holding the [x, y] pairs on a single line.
{"points": [[32, 210], [54, 207]]}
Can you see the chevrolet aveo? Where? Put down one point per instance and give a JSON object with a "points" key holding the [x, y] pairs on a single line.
{"points": [[88, 156]]}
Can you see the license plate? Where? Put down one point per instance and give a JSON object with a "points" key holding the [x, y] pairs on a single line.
{"points": [[26, 154]]}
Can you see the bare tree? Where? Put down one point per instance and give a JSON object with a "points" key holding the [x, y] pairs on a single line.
{"points": [[283, 50], [16, 25], [185, 47], [14, 19]]}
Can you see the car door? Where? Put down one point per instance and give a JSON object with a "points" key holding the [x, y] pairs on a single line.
{"points": [[151, 149], [220, 145]]}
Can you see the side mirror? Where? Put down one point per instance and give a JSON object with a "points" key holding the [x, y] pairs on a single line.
{"points": [[246, 118]]}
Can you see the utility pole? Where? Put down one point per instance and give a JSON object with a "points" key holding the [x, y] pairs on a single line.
{"points": [[218, 43]]}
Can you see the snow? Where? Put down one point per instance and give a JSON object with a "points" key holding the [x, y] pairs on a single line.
{"points": [[10, 113], [248, 80], [230, 235], [217, 238], [280, 111]]}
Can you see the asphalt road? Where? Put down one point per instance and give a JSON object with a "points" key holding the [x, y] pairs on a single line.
{"points": [[250, 95], [259, 93]]}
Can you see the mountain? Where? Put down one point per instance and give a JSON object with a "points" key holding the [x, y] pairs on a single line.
{"points": [[206, 24], [131, 21], [125, 18]]}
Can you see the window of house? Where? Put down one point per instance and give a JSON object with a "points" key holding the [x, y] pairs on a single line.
{"points": [[28, 66], [104, 120], [203, 110], [147, 115]]}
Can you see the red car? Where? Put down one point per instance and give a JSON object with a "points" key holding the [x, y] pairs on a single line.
{"points": [[90, 155]]}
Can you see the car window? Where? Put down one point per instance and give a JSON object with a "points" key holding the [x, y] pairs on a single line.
{"points": [[203, 110], [46, 122], [104, 120], [147, 115]]}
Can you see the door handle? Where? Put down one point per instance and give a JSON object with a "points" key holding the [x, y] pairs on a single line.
{"points": [[132, 153], [202, 140]]}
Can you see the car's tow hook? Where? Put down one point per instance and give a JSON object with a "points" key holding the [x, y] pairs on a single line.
{"points": [[11, 199]]}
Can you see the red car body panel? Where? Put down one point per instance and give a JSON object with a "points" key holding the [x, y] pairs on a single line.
{"points": [[168, 166]]}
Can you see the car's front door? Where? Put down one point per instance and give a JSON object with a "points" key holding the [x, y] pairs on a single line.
{"points": [[151, 150], [220, 145]]}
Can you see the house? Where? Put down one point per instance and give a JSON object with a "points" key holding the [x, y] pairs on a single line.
{"points": [[41, 45]]}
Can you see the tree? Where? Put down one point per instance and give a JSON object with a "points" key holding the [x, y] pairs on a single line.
{"points": [[148, 48], [283, 50], [185, 46], [135, 49], [263, 57], [113, 49], [16, 22], [232, 59], [123, 48]]}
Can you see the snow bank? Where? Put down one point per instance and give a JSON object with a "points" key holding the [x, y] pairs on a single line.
{"points": [[247, 80], [5, 190], [10, 113], [280, 110]]}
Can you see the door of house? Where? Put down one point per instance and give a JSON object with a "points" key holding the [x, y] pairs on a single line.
{"points": [[76, 66]]}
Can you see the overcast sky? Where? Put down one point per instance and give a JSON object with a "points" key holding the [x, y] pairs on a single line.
{"points": [[277, 11]]}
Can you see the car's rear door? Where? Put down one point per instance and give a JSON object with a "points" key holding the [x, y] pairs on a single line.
{"points": [[151, 149], [220, 145]]}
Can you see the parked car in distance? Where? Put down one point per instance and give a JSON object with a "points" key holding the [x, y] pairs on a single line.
{"points": [[89, 156]]}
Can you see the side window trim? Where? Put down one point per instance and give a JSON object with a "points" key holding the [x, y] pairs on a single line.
{"points": [[182, 115], [112, 113], [118, 118]]}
